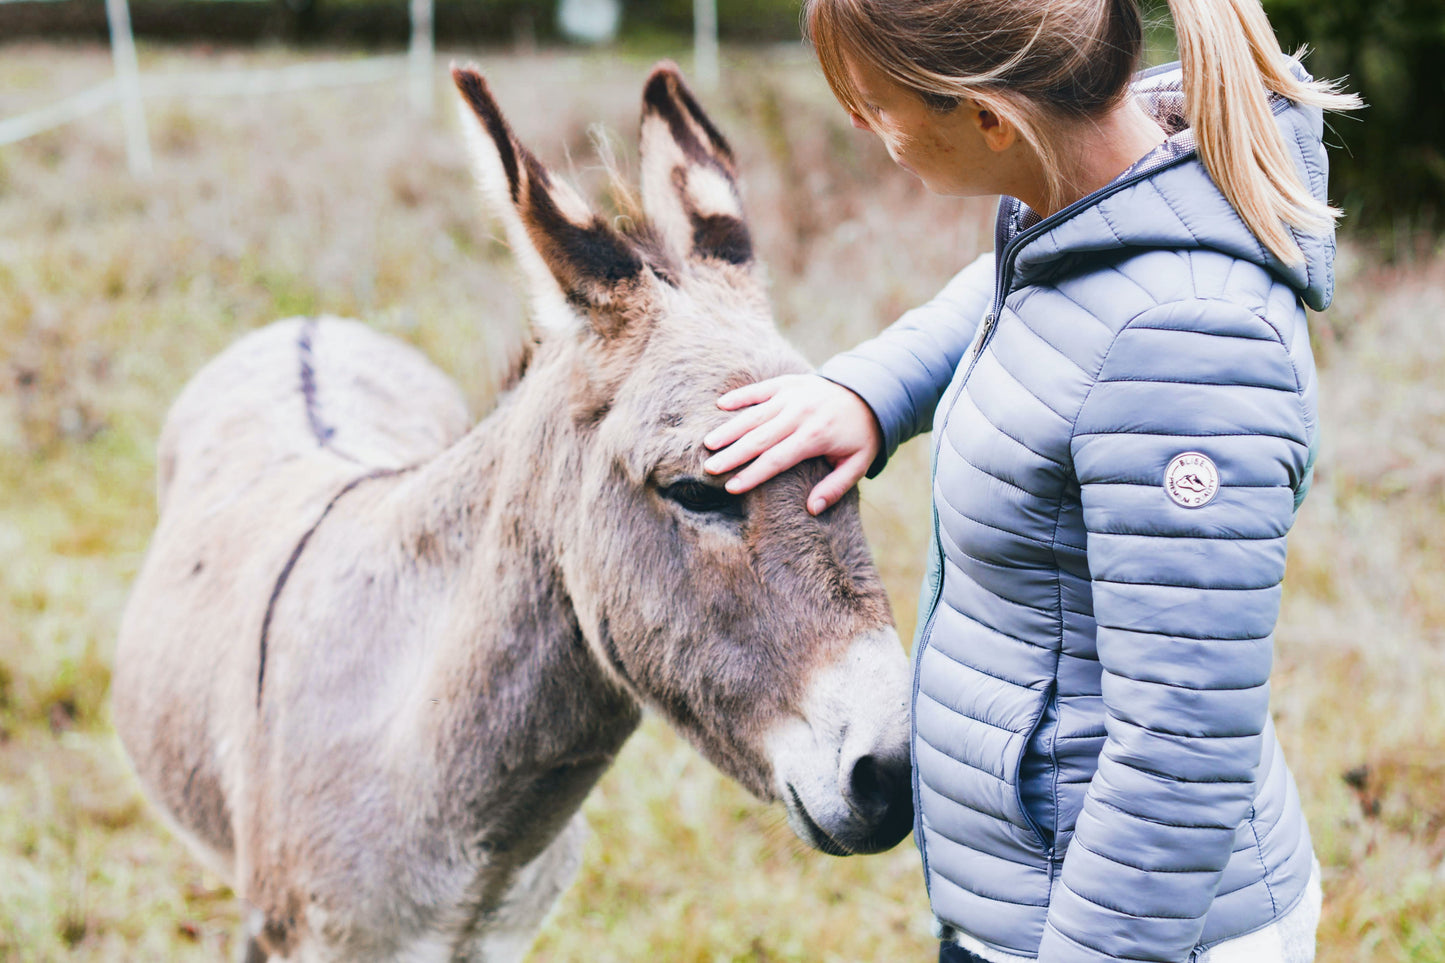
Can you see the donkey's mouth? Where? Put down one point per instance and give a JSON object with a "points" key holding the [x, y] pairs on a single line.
{"points": [[813, 834]]}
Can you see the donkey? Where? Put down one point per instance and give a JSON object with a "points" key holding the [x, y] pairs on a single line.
{"points": [[375, 660]]}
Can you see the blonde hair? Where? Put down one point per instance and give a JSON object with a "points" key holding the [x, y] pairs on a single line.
{"points": [[1038, 62]]}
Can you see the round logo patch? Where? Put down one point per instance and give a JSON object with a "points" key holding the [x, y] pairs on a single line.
{"points": [[1191, 480]]}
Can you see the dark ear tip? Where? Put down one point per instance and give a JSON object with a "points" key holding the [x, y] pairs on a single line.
{"points": [[469, 80], [663, 83], [665, 68], [478, 94]]}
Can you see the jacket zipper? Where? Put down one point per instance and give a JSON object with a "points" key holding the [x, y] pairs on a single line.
{"points": [[923, 638], [927, 632], [1004, 269], [913, 714]]}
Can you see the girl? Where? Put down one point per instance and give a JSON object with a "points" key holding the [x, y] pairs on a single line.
{"points": [[1120, 447]]}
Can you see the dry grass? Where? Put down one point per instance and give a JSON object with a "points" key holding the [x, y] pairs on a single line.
{"points": [[112, 293]]}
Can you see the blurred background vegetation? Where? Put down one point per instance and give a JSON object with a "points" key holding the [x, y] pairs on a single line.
{"points": [[1389, 174], [384, 22], [1389, 168], [113, 291]]}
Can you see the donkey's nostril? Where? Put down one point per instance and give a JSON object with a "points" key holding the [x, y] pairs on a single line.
{"points": [[865, 786], [879, 793], [875, 785]]}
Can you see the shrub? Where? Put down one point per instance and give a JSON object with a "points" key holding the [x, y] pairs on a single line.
{"points": [[1390, 174]]}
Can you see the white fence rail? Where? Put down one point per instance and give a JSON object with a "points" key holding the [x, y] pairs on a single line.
{"points": [[53, 115], [130, 88]]}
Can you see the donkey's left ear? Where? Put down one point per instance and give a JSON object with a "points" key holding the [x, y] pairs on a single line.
{"points": [[689, 181], [573, 259]]}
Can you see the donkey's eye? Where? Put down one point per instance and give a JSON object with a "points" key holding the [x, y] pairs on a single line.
{"points": [[704, 499]]}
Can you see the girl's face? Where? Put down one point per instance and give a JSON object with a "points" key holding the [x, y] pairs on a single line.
{"points": [[963, 152]]}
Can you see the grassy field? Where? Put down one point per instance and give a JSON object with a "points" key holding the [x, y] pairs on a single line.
{"points": [[112, 292]]}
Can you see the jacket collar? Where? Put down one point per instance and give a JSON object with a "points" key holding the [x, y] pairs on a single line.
{"points": [[1168, 201]]}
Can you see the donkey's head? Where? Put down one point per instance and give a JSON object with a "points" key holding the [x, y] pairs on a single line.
{"points": [[762, 633]]}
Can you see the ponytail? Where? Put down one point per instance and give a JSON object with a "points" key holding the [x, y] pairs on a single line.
{"points": [[1230, 58]]}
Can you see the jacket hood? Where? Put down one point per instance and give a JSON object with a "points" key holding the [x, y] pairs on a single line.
{"points": [[1168, 200]]}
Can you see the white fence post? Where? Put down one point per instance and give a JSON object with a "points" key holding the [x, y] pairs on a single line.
{"points": [[704, 43], [127, 74], [420, 56]]}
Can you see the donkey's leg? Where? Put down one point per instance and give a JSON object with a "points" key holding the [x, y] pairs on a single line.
{"points": [[515, 924]]}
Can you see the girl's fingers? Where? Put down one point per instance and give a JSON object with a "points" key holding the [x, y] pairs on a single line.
{"points": [[750, 446], [844, 476], [753, 394], [778, 458], [787, 420], [737, 426]]}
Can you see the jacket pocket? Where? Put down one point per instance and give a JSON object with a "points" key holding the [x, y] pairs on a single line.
{"points": [[1036, 773]]}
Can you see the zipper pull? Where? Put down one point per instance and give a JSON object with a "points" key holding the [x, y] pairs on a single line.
{"points": [[983, 332]]}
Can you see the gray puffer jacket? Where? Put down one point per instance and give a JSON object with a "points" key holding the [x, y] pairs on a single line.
{"points": [[1120, 449]]}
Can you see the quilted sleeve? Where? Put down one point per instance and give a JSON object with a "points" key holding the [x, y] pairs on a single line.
{"points": [[1188, 452], [903, 372]]}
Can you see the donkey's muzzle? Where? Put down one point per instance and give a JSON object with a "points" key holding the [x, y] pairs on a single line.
{"points": [[842, 765], [872, 811]]}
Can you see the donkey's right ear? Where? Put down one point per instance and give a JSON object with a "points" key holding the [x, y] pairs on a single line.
{"points": [[573, 260], [689, 180]]}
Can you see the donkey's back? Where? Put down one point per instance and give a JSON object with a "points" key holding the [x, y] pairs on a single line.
{"points": [[305, 389], [252, 452]]}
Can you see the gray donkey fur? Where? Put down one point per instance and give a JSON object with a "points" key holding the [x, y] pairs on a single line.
{"points": [[376, 659]]}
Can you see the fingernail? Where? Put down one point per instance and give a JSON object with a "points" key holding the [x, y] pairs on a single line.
{"points": [[816, 505], [710, 466], [732, 485]]}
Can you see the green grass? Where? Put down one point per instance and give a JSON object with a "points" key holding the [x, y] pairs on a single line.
{"points": [[113, 292]]}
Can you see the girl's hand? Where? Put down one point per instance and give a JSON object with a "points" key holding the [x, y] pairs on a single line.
{"points": [[783, 421]]}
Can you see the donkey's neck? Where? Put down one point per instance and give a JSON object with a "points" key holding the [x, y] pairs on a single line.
{"points": [[519, 716]]}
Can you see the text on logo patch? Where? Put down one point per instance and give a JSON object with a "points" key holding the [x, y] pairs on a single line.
{"points": [[1191, 480]]}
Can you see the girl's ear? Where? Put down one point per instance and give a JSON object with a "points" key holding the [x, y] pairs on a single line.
{"points": [[574, 262], [995, 128]]}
